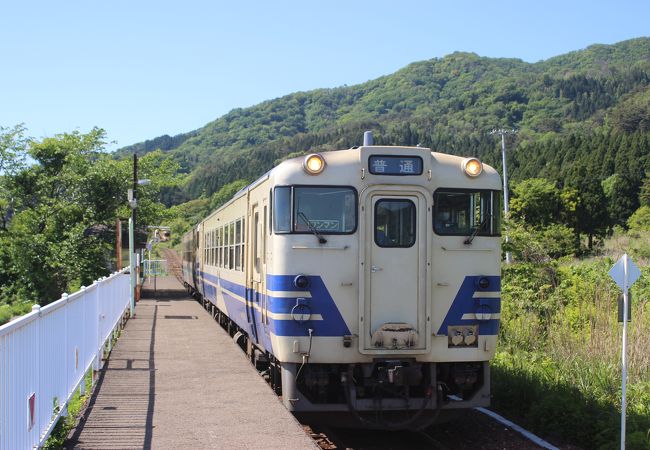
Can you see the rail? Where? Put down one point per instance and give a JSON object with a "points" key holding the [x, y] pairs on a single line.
{"points": [[45, 355]]}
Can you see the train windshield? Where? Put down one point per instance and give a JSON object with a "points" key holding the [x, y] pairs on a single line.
{"points": [[462, 212], [324, 209]]}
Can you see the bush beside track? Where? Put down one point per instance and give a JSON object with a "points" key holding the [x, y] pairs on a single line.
{"points": [[557, 369]]}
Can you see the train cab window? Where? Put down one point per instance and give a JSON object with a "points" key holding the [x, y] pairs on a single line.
{"points": [[282, 210], [462, 212], [394, 223], [309, 209]]}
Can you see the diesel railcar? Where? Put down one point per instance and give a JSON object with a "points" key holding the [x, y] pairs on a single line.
{"points": [[364, 283]]}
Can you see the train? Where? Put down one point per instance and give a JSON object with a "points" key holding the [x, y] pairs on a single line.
{"points": [[363, 284]]}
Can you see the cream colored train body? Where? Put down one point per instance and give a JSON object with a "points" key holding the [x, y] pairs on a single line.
{"points": [[364, 282]]}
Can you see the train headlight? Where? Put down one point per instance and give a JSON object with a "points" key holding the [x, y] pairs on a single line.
{"points": [[472, 167], [314, 164]]}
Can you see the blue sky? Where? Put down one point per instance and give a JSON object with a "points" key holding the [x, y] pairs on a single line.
{"points": [[140, 69]]}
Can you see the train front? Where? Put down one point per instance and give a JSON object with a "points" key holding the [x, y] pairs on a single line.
{"points": [[384, 278]]}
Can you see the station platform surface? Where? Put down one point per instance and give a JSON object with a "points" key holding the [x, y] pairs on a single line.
{"points": [[175, 379]]}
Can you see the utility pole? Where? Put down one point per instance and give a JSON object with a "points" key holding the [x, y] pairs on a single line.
{"points": [[118, 243], [133, 203], [506, 211], [135, 187]]}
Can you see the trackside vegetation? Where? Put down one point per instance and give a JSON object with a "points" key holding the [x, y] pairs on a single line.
{"points": [[59, 201], [557, 369]]}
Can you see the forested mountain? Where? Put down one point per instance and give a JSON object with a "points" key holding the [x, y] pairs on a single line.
{"points": [[588, 110]]}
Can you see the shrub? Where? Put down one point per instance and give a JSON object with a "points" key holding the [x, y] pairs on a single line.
{"points": [[557, 369]]}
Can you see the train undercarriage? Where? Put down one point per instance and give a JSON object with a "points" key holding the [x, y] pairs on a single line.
{"points": [[387, 393]]}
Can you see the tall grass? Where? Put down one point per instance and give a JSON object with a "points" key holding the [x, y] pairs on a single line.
{"points": [[560, 350]]}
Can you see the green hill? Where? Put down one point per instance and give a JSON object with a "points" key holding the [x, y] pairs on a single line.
{"points": [[449, 104]]}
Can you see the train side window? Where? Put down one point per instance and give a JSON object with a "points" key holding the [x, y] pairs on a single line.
{"points": [[231, 247], [282, 210], [220, 247], [243, 244], [238, 245], [394, 223], [225, 248], [214, 247], [211, 236]]}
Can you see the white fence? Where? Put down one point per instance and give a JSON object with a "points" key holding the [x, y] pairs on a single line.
{"points": [[45, 355]]}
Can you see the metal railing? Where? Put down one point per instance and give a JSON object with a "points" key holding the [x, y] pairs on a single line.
{"points": [[45, 355], [152, 269]]}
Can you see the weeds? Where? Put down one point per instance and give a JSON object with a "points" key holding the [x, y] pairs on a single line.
{"points": [[65, 424], [558, 364]]}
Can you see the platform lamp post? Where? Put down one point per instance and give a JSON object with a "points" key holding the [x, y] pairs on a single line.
{"points": [[133, 203], [502, 132]]}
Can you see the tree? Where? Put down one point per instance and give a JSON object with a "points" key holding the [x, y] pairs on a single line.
{"points": [[537, 202], [591, 216], [13, 146], [640, 220], [644, 195], [61, 235]]}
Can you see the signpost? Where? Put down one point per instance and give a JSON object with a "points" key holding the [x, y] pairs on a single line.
{"points": [[624, 273]]}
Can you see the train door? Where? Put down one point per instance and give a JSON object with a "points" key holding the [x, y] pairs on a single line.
{"points": [[195, 259], [202, 258], [394, 312], [256, 270], [263, 228]]}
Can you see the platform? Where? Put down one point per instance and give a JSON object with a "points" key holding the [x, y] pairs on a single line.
{"points": [[175, 379]]}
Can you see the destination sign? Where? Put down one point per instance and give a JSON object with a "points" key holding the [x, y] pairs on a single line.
{"points": [[395, 165]]}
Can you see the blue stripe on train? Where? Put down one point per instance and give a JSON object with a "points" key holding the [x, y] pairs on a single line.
{"points": [[320, 303], [466, 303]]}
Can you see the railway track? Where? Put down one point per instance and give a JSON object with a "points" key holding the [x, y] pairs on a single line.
{"points": [[472, 431], [336, 438], [173, 263]]}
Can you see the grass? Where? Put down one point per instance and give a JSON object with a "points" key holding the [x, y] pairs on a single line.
{"points": [[66, 424], [558, 367]]}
